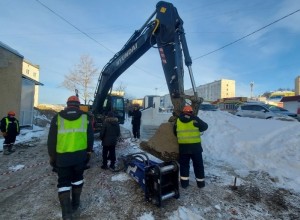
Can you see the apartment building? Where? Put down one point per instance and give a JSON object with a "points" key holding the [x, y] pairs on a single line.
{"points": [[213, 91], [17, 90], [219, 89], [32, 71], [10, 80]]}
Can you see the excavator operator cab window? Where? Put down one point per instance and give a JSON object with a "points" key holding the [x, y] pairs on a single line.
{"points": [[116, 105]]}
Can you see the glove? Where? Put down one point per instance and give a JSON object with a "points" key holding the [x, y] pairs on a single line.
{"points": [[4, 134], [52, 162], [88, 156]]}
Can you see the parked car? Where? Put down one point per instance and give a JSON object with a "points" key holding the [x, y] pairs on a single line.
{"points": [[208, 107], [265, 111], [283, 111]]}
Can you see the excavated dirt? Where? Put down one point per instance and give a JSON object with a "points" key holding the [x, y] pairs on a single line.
{"points": [[163, 144]]}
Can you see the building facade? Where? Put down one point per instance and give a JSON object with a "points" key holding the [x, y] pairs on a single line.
{"points": [[10, 80], [292, 103], [16, 89], [213, 91], [210, 92], [32, 71]]}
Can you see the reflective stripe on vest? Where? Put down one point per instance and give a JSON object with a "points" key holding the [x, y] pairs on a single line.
{"points": [[187, 133], [71, 135], [7, 123]]}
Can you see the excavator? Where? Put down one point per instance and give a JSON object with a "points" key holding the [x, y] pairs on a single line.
{"points": [[166, 33], [162, 30]]}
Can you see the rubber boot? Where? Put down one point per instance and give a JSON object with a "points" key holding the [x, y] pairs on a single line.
{"points": [[11, 148], [5, 150], [65, 203], [112, 166], [76, 192], [184, 183], [201, 184]]}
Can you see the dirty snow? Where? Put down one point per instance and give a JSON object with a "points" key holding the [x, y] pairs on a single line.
{"points": [[246, 145]]}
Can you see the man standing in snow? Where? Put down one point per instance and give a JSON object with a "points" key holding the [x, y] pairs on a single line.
{"points": [[70, 142], [10, 129], [109, 135], [136, 122], [187, 129]]}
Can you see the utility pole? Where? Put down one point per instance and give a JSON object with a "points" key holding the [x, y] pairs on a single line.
{"points": [[251, 89]]}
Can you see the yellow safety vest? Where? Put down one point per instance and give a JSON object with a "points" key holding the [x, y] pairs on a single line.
{"points": [[71, 135], [187, 133], [7, 123]]}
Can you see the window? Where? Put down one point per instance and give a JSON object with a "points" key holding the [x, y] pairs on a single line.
{"points": [[246, 107], [257, 108]]}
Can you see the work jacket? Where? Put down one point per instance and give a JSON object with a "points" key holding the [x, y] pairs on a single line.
{"points": [[68, 145], [187, 129], [10, 125], [110, 132], [136, 117]]}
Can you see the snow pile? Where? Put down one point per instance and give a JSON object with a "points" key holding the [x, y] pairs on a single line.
{"points": [[254, 144], [17, 167]]}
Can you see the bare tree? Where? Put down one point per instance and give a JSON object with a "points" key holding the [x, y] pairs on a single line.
{"points": [[82, 78]]}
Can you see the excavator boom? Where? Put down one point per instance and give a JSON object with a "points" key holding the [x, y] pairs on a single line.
{"points": [[167, 34]]}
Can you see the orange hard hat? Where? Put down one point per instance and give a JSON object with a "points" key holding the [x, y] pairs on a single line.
{"points": [[187, 108], [73, 101], [11, 113]]}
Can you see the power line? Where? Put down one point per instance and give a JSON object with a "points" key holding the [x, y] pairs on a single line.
{"points": [[247, 35], [87, 35]]}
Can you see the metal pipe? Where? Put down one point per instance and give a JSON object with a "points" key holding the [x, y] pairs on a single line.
{"points": [[192, 80], [167, 196], [166, 168], [146, 23]]}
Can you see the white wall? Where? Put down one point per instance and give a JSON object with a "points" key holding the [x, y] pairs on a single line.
{"points": [[151, 116], [291, 106]]}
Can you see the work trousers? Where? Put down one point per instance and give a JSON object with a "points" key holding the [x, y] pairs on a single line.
{"points": [[70, 176], [136, 130], [109, 153], [184, 161], [9, 139]]}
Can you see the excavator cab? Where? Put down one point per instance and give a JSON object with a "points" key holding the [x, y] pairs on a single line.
{"points": [[112, 102], [116, 104]]}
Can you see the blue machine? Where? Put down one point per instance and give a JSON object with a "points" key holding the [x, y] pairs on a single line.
{"points": [[160, 181]]}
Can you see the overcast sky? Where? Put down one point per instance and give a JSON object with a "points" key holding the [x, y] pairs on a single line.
{"points": [[269, 58]]}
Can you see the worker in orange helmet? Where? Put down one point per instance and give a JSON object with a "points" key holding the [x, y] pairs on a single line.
{"points": [[10, 130], [188, 128], [70, 143]]}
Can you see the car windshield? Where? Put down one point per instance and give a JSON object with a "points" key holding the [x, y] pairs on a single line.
{"points": [[274, 108]]}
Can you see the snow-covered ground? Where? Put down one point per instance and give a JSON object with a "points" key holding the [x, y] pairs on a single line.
{"points": [[244, 144], [247, 145], [250, 144]]}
